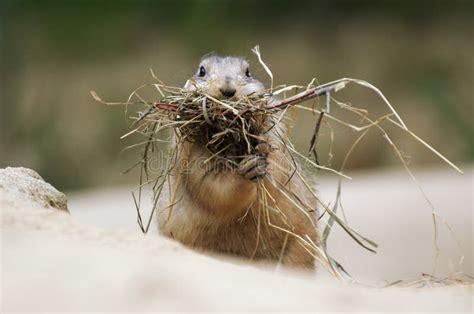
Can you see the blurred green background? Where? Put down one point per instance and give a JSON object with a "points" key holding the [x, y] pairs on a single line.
{"points": [[419, 53]]}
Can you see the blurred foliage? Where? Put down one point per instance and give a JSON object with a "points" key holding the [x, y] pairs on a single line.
{"points": [[53, 52]]}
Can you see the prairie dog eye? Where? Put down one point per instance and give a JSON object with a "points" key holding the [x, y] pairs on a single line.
{"points": [[202, 72], [247, 73]]}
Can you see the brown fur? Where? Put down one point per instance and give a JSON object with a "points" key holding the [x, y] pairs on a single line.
{"points": [[218, 210]]}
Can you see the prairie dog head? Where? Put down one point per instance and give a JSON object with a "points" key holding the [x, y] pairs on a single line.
{"points": [[224, 77]]}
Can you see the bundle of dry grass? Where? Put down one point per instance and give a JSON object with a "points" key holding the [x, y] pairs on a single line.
{"points": [[233, 129], [230, 129]]}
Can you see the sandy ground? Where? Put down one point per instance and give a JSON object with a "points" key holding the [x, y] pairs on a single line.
{"points": [[96, 258], [385, 206]]}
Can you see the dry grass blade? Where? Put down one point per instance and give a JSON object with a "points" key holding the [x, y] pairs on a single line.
{"points": [[427, 280], [232, 129], [256, 51]]}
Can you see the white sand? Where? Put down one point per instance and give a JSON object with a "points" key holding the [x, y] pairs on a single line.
{"points": [[96, 259]]}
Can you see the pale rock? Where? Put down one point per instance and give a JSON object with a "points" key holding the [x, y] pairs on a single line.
{"points": [[23, 187]]}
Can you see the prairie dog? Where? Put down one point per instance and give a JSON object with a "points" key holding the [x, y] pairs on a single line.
{"points": [[217, 208]]}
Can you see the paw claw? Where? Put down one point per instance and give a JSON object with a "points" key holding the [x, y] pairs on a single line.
{"points": [[254, 167]]}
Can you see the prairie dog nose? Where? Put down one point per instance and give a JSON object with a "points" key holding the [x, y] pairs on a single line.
{"points": [[227, 91]]}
